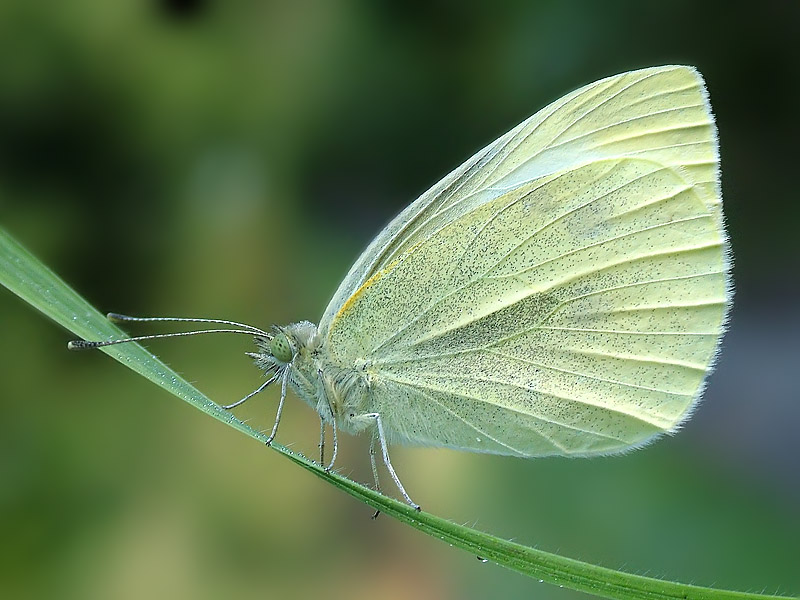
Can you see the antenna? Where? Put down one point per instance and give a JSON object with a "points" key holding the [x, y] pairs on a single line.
{"points": [[88, 345]]}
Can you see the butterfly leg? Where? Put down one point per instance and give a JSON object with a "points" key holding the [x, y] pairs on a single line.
{"points": [[325, 410], [284, 382], [386, 461], [335, 446], [372, 462], [261, 388], [321, 441]]}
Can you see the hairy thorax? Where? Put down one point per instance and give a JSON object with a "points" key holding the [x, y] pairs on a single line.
{"points": [[337, 392]]}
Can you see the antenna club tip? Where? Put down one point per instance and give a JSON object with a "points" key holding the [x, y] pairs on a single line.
{"points": [[115, 317], [77, 345]]}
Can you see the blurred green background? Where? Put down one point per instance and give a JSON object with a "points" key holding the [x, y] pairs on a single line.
{"points": [[230, 159]]}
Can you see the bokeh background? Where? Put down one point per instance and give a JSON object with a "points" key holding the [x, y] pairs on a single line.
{"points": [[230, 159]]}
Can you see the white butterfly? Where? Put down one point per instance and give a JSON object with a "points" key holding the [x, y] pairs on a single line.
{"points": [[563, 292]]}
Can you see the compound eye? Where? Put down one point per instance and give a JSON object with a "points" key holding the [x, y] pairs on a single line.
{"points": [[280, 348]]}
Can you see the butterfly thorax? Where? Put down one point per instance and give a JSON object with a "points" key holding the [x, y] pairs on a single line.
{"points": [[335, 391]]}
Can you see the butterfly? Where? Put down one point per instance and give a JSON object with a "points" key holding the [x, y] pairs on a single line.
{"points": [[562, 292]]}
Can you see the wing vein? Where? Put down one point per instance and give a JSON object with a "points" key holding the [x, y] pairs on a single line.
{"points": [[538, 417], [468, 423], [628, 332], [586, 375], [605, 101], [620, 122], [668, 252]]}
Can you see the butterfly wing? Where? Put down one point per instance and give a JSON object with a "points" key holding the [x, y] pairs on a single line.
{"points": [[561, 306], [660, 113]]}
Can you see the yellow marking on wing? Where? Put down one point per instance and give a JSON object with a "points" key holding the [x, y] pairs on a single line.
{"points": [[378, 274]]}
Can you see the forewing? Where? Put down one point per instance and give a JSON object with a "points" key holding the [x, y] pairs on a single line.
{"points": [[660, 114], [577, 313]]}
